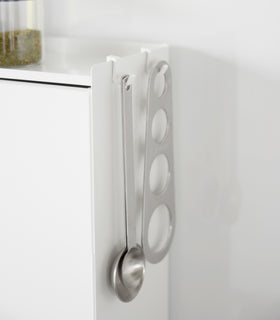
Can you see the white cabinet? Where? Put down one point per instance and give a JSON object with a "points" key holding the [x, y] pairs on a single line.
{"points": [[61, 208], [45, 206]]}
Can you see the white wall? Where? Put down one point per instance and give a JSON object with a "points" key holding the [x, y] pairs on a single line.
{"points": [[225, 261]]}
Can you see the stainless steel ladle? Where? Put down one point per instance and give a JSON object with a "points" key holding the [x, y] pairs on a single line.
{"points": [[128, 269]]}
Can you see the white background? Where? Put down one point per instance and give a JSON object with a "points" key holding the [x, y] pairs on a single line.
{"points": [[225, 261]]}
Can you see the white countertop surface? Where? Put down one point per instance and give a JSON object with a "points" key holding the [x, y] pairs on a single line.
{"points": [[69, 60]]}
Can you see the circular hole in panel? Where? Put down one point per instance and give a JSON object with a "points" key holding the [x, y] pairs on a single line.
{"points": [[159, 84], [159, 126], [159, 228], [159, 174]]}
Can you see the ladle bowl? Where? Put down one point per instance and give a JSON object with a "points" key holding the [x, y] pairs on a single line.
{"points": [[128, 273]]}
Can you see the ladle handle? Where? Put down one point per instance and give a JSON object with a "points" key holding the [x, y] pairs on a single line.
{"points": [[128, 160]]}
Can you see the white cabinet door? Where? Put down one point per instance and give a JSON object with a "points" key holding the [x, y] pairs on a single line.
{"points": [[45, 203]]}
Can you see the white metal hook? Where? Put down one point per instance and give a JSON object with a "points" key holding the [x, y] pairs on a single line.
{"points": [[113, 59], [163, 69], [115, 77], [147, 52]]}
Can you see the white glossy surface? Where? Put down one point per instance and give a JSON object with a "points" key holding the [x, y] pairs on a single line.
{"points": [[70, 60], [46, 269], [225, 261]]}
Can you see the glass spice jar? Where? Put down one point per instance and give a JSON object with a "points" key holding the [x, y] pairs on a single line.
{"points": [[20, 32]]}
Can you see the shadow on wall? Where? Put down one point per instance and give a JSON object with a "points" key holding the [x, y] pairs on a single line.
{"points": [[205, 93], [225, 257]]}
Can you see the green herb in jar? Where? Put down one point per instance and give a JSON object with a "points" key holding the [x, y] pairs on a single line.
{"points": [[20, 47]]}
